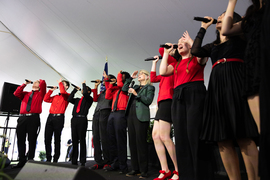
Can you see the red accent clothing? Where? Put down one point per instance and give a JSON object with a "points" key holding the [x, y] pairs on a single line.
{"points": [[36, 105], [194, 68], [165, 85], [59, 102], [112, 92]]}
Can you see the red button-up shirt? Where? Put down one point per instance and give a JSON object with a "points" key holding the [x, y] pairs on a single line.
{"points": [[59, 102], [36, 105]]}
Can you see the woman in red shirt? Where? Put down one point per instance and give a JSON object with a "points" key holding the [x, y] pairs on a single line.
{"points": [[187, 108], [163, 120]]}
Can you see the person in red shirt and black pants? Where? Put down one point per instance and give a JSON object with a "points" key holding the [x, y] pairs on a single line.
{"points": [[56, 119], [29, 120], [79, 122], [117, 124]]}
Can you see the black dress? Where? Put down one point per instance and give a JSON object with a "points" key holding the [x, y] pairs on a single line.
{"points": [[252, 73], [226, 112]]}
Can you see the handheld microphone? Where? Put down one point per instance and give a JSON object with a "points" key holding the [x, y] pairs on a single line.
{"points": [[75, 86], [204, 20], [51, 87], [152, 58], [175, 46], [28, 81], [95, 81], [132, 84]]}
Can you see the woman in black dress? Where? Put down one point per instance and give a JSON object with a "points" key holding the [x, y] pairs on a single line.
{"points": [[227, 118]]}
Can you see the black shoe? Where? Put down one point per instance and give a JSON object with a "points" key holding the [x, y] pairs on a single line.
{"points": [[123, 171], [143, 175], [19, 165], [133, 173]]}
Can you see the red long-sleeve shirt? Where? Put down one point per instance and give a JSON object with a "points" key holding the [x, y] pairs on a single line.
{"points": [[59, 102], [36, 105], [112, 92], [165, 85]]}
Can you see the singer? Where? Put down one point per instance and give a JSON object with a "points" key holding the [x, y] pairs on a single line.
{"points": [[99, 125], [29, 120], [117, 124], [79, 122], [187, 109], [224, 122], [56, 119], [138, 117], [163, 120]]}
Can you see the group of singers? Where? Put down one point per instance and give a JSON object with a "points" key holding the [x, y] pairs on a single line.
{"points": [[227, 114]]}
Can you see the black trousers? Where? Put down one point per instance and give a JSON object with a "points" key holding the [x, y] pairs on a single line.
{"points": [[27, 125], [54, 126], [187, 116], [100, 137], [117, 130], [78, 134], [137, 135]]}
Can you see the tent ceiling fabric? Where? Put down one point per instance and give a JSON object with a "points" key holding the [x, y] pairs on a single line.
{"points": [[75, 37]]}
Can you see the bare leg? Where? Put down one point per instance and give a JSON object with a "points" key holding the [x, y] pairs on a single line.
{"points": [[250, 155], [160, 149], [230, 159], [165, 129], [254, 106]]}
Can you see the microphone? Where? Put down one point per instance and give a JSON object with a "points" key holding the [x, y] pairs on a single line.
{"points": [[75, 86], [28, 81], [95, 81], [204, 20], [51, 87], [132, 84], [175, 46], [152, 58]]}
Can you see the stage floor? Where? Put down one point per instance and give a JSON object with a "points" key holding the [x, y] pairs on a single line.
{"points": [[110, 175]]}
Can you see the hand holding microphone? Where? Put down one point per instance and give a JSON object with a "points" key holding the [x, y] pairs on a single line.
{"points": [[28, 81], [153, 58], [52, 87], [205, 20], [166, 46], [76, 87]]}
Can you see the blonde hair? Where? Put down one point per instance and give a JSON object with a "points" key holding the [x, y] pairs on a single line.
{"points": [[147, 74]]}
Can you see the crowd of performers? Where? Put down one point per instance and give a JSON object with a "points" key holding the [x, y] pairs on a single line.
{"points": [[231, 112]]}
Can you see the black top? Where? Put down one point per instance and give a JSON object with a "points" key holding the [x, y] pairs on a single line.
{"points": [[217, 52], [86, 102]]}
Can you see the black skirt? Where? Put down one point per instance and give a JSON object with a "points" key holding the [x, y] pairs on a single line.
{"points": [[164, 111], [226, 112]]}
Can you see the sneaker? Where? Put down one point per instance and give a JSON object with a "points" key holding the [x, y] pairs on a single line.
{"points": [[133, 173], [143, 175], [95, 167]]}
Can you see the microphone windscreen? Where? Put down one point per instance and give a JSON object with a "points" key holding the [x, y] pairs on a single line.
{"points": [[152, 58], [175, 46], [94, 81], [204, 20]]}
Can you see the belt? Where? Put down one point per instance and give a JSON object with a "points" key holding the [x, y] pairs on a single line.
{"points": [[30, 114], [56, 114], [79, 116], [227, 60]]}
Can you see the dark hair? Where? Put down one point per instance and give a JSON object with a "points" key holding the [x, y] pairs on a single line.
{"points": [[127, 75], [89, 89], [67, 83], [236, 18], [176, 55], [251, 10], [112, 76]]}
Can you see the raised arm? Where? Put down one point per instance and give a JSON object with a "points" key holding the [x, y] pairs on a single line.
{"points": [[164, 68], [228, 27]]}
